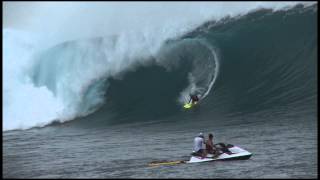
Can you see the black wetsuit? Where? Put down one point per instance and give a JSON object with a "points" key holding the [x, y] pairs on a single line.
{"points": [[194, 98]]}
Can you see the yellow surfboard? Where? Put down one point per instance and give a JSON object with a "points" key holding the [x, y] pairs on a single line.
{"points": [[189, 105]]}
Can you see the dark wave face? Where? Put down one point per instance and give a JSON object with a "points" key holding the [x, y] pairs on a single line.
{"points": [[152, 91], [264, 61], [268, 60]]}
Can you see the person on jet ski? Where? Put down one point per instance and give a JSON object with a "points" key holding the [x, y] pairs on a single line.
{"points": [[197, 148], [216, 149], [210, 148], [194, 99]]}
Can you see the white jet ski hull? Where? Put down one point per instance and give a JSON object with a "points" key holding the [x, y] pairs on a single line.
{"points": [[237, 154]]}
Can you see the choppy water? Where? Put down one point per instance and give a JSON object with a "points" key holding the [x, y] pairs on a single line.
{"points": [[283, 147]]}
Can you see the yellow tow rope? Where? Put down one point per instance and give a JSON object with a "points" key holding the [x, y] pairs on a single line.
{"points": [[166, 163]]}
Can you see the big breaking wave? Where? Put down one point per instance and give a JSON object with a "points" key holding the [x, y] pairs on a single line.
{"points": [[63, 75]]}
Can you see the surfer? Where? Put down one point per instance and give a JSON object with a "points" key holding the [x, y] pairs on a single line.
{"points": [[194, 99], [197, 148]]}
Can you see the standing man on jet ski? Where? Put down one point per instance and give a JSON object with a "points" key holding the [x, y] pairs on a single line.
{"points": [[197, 148]]}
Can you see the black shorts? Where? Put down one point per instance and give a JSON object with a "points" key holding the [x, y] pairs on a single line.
{"points": [[201, 151]]}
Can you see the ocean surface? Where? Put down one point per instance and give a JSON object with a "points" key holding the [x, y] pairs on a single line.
{"points": [[256, 75]]}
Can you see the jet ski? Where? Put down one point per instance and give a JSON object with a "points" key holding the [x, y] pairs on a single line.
{"points": [[230, 152]]}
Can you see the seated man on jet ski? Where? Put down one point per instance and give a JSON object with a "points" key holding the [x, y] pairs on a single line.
{"points": [[210, 147], [216, 149], [197, 148]]}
